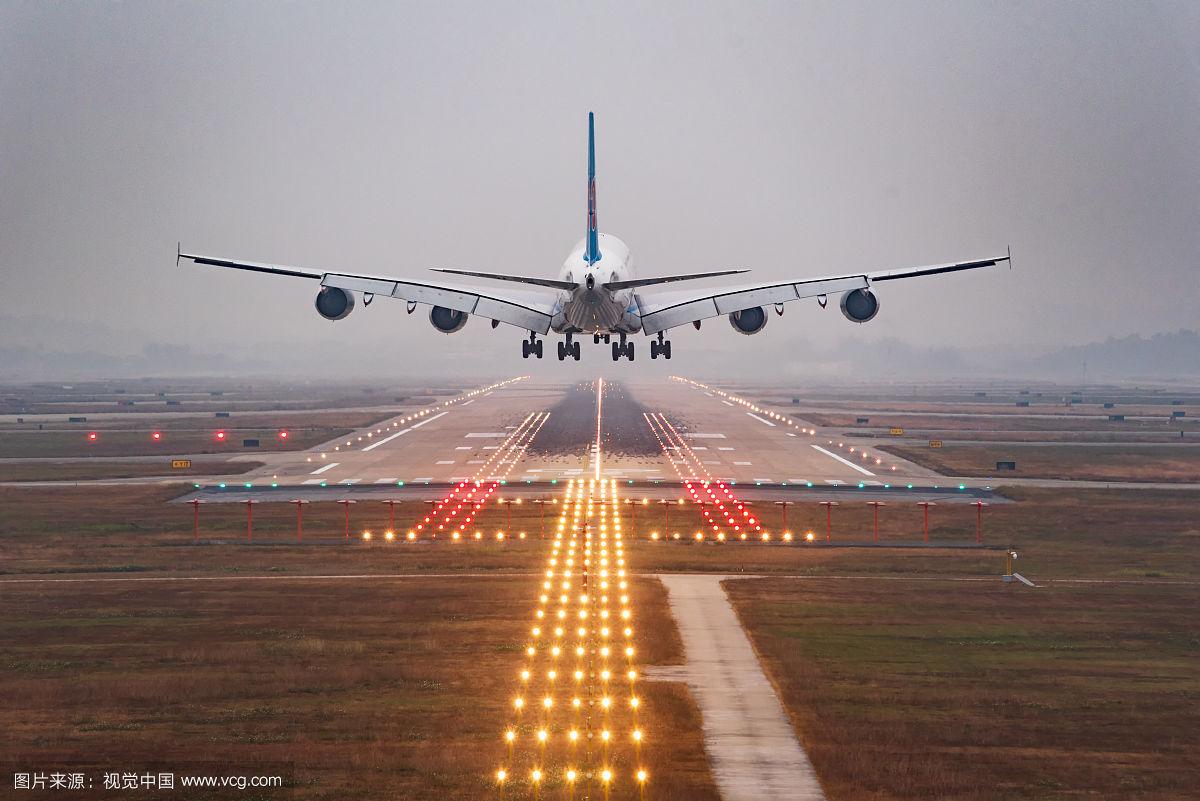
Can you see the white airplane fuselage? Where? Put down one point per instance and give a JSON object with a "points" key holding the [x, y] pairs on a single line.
{"points": [[591, 308]]}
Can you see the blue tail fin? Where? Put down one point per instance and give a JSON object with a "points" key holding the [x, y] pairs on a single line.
{"points": [[592, 253]]}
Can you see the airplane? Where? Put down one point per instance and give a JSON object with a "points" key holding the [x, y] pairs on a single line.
{"points": [[596, 293]]}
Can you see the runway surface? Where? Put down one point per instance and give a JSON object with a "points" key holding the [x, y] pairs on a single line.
{"points": [[651, 435]]}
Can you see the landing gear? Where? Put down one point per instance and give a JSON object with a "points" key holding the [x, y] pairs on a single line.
{"points": [[622, 348], [531, 346], [568, 348], [597, 338], [661, 346]]}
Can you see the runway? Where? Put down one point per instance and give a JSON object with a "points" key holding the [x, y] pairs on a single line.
{"points": [[711, 437]]}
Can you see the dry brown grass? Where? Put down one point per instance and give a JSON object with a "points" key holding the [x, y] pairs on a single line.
{"points": [[1091, 462], [985, 692], [130, 435], [387, 689], [105, 468]]}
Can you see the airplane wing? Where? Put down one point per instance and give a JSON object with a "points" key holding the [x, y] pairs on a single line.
{"points": [[663, 310], [530, 310]]}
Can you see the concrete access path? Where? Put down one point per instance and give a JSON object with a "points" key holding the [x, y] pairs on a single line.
{"points": [[754, 752]]}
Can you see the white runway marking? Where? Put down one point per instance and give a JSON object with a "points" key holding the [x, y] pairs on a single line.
{"points": [[463, 448], [743, 463], [423, 478], [704, 436], [763, 480], [445, 461], [349, 481], [311, 481], [846, 462], [321, 470], [476, 461], [727, 403], [700, 448], [468, 403], [486, 434], [724, 448], [761, 419], [402, 432], [386, 480]]}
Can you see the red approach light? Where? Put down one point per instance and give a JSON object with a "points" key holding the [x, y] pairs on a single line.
{"points": [[221, 436], [93, 436], [283, 434], [156, 436]]}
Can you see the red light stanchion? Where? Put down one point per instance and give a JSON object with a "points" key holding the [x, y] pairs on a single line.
{"points": [[785, 505], [666, 505], [542, 519], [875, 533], [345, 502], [299, 518], [925, 505], [829, 519], [391, 502], [250, 519], [195, 502], [979, 522]]}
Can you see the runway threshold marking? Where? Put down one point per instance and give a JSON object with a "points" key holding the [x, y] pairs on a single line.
{"points": [[846, 462], [321, 470], [762, 420]]}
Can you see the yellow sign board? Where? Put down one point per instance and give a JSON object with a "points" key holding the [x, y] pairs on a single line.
{"points": [[935, 443], [181, 464], [897, 432]]}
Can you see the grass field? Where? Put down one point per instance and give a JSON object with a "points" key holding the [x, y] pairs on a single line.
{"points": [[1096, 463], [903, 682], [131, 435], [81, 470], [376, 689], [1112, 534], [985, 691]]}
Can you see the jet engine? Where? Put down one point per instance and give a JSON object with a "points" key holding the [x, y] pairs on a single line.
{"points": [[749, 321], [860, 305], [447, 320], [333, 303]]}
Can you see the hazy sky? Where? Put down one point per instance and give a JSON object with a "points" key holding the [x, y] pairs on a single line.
{"points": [[796, 139]]}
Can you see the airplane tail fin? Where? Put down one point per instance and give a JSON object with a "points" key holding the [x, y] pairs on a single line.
{"points": [[591, 253]]}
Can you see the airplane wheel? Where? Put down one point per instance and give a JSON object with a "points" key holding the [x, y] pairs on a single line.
{"points": [[666, 349], [537, 348], [616, 350], [575, 350], [562, 351], [607, 338], [653, 350], [524, 350], [595, 339], [629, 351]]}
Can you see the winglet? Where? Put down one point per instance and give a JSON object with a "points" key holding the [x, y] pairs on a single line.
{"points": [[1010, 257], [178, 251], [591, 253]]}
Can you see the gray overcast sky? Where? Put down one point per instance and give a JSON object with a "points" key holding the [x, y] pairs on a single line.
{"points": [[793, 138]]}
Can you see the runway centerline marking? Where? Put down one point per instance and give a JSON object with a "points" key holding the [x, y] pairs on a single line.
{"points": [[846, 462], [320, 470], [763, 420], [403, 431]]}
